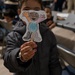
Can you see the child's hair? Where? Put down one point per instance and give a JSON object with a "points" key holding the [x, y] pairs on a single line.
{"points": [[10, 13], [22, 1]]}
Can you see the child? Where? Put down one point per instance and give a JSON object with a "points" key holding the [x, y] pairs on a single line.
{"points": [[9, 16], [49, 21], [30, 57]]}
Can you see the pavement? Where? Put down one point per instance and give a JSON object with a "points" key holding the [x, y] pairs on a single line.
{"points": [[3, 70]]}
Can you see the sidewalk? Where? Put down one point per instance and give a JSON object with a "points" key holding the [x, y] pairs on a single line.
{"points": [[3, 70]]}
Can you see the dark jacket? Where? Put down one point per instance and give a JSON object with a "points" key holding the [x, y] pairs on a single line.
{"points": [[51, 19], [45, 61]]}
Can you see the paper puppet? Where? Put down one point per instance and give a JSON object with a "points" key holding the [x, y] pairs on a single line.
{"points": [[32, 19]]}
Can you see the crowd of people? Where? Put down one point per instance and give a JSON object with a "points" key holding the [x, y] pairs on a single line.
{"points": [[60, 5], [55, 5], [9, 10], [10, 14]]}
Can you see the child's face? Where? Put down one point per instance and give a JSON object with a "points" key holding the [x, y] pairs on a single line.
{"points": [[48, 12], [8, 19], [31, 5]]}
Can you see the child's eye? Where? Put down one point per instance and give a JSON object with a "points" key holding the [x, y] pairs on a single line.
{"points": [[26, 8]]}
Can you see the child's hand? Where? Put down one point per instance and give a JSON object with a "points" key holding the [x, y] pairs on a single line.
{"points": [[49, 23], [28, 50], [52, 25]]}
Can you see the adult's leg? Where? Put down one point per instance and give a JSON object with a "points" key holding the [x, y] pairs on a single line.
{"points": [[61, 5], [69, 4], [56, 6], [74, 6]]}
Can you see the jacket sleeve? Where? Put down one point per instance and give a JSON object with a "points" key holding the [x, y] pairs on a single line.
{"points": [[10, 56], [54, 64]]}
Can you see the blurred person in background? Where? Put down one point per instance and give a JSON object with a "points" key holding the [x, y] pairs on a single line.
{"points": [[11, 4], [1, 8], [9, 16], [71, 5], [58, 5], [1, 4], [49, 21], [47, 2]]}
